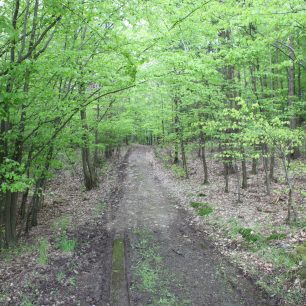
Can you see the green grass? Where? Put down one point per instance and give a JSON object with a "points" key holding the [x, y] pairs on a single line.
{"points": [[154, 279], [276, 236], [286, 262], [3, 297], [203, 208], [60, 276], [72, 281], [16, 251], [65, 244], [62, 223], [149, 276], [249, 235], [201, 194], [26, 302], [100, 207], [205, 211], [178, 171], [43, 248]]}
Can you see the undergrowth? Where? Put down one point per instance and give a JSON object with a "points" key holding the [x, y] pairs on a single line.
{"points": [[203, 208], [16, 251], [62, 241], [288, 264], [43, 248]]}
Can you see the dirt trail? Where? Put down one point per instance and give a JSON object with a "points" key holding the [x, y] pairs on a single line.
{"points": [[168, 262], [140, 250]]}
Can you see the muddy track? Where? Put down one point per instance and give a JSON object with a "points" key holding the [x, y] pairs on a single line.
{"points": [[140, 251], [167, 261]]}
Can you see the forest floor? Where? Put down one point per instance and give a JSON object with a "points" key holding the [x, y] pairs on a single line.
{"points": [[67, 259]]}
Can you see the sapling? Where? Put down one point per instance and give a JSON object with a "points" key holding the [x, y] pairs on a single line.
{"points": [[284, 141]]}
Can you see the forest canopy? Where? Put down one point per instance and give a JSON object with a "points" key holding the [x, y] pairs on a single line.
{"points": [[90, 76]]}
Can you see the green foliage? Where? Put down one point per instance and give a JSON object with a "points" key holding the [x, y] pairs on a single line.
{"points": [[178, 171], [100, 208], [62, 223], [16, 251], [72, 281], [301, 252], [203, 209], [249, 235], [276, 236], [65, 244], [43, 248], [60, 276], [141, 80], [26, 302], [12, 177], [196, 204]]}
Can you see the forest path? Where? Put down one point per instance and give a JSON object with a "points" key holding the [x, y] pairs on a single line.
{"points": [[167, 262]]}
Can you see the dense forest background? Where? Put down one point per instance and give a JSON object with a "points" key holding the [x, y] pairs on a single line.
{"points": [[86, 77]]}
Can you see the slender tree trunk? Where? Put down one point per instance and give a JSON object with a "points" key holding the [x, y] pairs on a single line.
{"points": [[176, 130], [90, 177], [238, 183], [266, 168], [203, 157], [254, 166], [96, 152], [184, 160], [272, 165], [37, 199], [291, 82], [292, 212], [244, 174], [226, 174]]}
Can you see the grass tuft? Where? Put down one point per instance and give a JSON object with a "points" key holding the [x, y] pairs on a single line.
{"points": [[249, 235], [43, 248], [276, 236], [203, 209], [178, 171], [65, 244]]}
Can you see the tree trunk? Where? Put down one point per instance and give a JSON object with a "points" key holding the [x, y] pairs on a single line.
{"points": [[244, 174], [184, 160], [292, 213], [176, 130], [226, 177], [10, 200], [266, 168], [203, 157], [254, 166], [37, 199], [272, 165], [238, 183], [96, 152], [291, 82], [90, 177]]}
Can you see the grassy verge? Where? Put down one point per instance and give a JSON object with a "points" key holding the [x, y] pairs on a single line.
{"points": [[285, 266]]}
